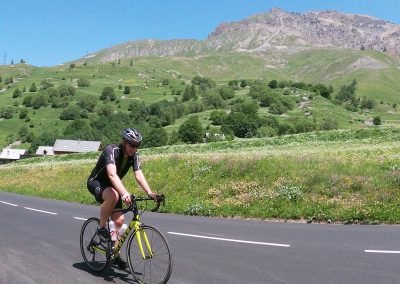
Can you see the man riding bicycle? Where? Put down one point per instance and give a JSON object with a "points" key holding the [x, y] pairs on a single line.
{"points": [[105, 182]]}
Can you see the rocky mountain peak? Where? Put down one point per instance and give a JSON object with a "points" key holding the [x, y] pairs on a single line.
{"points": [[276, 29]]}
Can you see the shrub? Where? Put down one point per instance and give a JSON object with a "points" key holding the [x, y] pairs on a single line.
{"points": [[377, 120], [83, 83]]}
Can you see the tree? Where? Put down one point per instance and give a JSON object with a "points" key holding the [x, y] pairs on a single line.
{"points": [[323, 90], [79, 129], [28, 101], [45, 84], [226, 93], [127, 90], [213, 100], [247, 107], [87, 102], [106, 110], [191, 131], [367, 103], [23, 113], [40, 100], [156, 138], [6, 113], [241, 125], [70, 113], [217, 117], [108, 92], [66, 90], [233, 84], [33, 88], [17, 93], [377, 120], [83, 82], [189, 93], [273, 84]]}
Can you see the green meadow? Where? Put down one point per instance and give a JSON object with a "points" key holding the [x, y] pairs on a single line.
{"points": [[345, 176]]}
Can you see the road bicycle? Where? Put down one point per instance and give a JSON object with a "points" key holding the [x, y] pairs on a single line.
{"points": [[147, 250]]}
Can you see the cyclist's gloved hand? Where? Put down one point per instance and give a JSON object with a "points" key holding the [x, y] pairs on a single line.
{"points": [[127, 199]]}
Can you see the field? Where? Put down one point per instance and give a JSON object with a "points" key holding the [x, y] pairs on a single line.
{"points": [[348, 176]]}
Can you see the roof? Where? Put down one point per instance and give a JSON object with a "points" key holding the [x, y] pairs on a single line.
{"points": [[48, 149], [75, 146], [12, 154]]}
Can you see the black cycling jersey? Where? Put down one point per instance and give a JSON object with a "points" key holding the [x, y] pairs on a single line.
{"points": [[114, 154]]}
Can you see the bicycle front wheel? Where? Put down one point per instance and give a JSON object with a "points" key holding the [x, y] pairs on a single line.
{"points": [[149, 256], [95, 253]]}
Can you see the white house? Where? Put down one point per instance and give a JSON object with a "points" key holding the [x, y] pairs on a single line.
{"points": [[8, 155], [45, 151], [75, 146]]}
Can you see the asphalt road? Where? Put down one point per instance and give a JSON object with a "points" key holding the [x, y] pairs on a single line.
{"points": [[43, 247]]}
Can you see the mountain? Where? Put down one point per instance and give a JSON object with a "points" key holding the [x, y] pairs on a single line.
{"points": [[276, 30], [328, 48]]}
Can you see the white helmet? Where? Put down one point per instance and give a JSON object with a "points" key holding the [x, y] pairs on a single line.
{"points": [[131, 135]]}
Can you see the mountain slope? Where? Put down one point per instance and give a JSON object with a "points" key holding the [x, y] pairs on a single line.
{"points": [[275, 31]]}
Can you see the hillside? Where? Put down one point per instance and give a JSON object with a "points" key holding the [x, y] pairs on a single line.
{"points": [[376, 74], [271, 32], [298, 51]]}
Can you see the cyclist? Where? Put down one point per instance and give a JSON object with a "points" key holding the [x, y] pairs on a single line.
{"points": [[105, 182]]}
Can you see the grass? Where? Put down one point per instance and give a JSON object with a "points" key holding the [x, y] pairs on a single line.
{"points": [[348, 176], [327, 66]]}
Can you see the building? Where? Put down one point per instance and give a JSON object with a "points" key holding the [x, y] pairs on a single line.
{"points": [[75, 146], [45, 151], [9, 155]]}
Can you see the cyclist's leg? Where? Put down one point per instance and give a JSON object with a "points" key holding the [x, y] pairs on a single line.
{"points": [[110, 198], [118, 217]]}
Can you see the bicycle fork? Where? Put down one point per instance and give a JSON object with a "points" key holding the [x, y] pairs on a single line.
{"points": [[141, 237], [141, 240]]}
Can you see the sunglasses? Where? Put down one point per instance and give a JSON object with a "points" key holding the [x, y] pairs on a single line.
{"points": [[133, 145]]}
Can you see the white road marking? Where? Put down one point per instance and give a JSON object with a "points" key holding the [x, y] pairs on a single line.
{"points": [[8, 203], [79, 218], [42, 211], [229, 240], [382, 251]]}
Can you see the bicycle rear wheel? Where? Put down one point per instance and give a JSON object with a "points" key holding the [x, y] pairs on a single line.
{"points": [[95, 253], [149, 257]]}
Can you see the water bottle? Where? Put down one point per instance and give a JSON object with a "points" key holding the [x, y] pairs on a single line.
{"points": [[113, 232], [122, 230]]}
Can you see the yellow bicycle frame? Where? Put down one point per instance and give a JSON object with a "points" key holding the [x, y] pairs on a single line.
{"points": [[140, 236]]}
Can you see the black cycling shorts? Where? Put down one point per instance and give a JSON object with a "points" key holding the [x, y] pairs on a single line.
{"points": [[96, 188]]}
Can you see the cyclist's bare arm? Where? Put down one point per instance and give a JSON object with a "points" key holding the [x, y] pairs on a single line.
{"points": [[117, 183], [141, 179]]}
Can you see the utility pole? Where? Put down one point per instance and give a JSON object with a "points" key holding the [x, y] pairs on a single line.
{"points": [[4, 58]]}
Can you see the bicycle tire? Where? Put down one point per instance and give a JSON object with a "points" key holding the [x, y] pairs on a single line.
{"points": [[155, 269], [95, 253]]}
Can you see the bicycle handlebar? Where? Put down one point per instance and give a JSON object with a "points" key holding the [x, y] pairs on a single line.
{"points": [[160, 200]]}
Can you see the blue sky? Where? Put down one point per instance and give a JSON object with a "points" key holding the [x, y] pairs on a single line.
{"points": [[51, 32]]}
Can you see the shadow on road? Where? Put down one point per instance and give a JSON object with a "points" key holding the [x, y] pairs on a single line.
{"points": [[108, 275]]}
